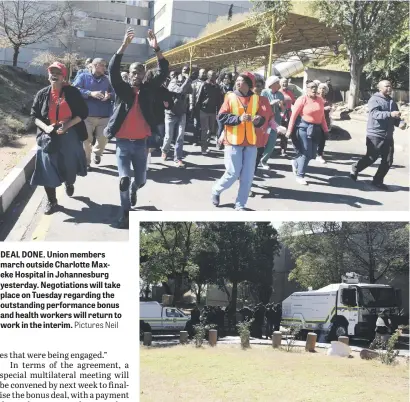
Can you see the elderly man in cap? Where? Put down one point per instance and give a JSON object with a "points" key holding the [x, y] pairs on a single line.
{"points": [[277, 102], [97, 92], [384, 115]]}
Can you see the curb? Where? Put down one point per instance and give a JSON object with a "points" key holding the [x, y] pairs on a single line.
{"points": [[11, 185]]}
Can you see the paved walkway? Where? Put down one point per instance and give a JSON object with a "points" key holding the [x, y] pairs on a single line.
{"points": [[91, 214]]}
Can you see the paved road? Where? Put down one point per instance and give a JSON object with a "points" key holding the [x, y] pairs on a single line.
{"points": [[91, 214]]}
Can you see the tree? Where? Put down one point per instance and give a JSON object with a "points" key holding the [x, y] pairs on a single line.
{"points": [[324, 251], [230, 12], [233, 260], [366, 28], [270, 18], [25, 22], [318, 251], [167, 248], [265, 247]]}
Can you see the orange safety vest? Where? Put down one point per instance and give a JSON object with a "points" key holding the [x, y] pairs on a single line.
{"points": [[235, 135]]}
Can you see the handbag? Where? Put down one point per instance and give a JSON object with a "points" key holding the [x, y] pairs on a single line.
{"points": [[49, 142]]}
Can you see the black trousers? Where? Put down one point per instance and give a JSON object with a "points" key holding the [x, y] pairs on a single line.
{"points": [[51, 194], [321, 144], [377, 148]]}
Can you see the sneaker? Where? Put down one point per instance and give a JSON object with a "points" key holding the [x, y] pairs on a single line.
{"points": [[283, 154], [380, 186], [294, 168], [124, 221], [97, 159], [264, 166], [133, 197], [69, 189], [218, 146], [301, 181], [320, 159], [179, 164], [164, 156], [50, 207], [204, 152], [216, 199], [240, 209]]}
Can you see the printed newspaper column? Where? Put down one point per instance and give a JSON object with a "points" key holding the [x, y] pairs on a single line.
{"points": [[68, 322]]}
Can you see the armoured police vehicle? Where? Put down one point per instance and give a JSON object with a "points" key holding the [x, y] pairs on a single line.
{"points": [[349, 308]]}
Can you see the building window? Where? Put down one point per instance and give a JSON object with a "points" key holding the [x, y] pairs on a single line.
{"points": [[137, 21], [160, 33], [119, 1], [138, 3], [139, 41]]}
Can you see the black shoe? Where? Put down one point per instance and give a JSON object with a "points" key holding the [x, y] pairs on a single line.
{"points": [[353, 175], [97, 159], [69, 189], [89, 168], [380, 186], [133, 198], [124, 221], [215, 200], [50, 207]]}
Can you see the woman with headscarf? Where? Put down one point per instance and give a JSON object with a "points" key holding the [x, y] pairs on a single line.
{"points": [[59, 112], [240, 116], [323, 90], [306, 125], [276, 100]]}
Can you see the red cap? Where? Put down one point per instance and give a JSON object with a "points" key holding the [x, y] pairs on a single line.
{"points": [[60, 66], [250, 76]]}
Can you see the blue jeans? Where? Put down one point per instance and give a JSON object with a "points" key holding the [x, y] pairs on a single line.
{"points": [[305, 151], [131, 152], [239, 163], [170, 122]]}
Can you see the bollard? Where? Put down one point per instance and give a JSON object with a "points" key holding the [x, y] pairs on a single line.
{"points": [[183, 337], [311, 342], [276, 339], [344, 339], [147, 338], [213, 337]]}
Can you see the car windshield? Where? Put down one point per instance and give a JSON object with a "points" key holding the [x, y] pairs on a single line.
{"points": [[377, 297]]}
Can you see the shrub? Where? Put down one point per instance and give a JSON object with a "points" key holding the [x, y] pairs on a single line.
{"points": [[200, 332], [293, 332], [387, 353], [14, 124], [244, 329]]}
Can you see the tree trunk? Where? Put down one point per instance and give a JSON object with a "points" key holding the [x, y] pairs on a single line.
{"points": [[356, 68], [198, 294], [146, 291], [16, 55], [233, 299], [372, 263]]}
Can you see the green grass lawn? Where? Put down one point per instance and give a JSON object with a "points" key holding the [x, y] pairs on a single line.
{"points": [[227, 373]]}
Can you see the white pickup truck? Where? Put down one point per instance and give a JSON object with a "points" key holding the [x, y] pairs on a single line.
{"points": [[156, 318]]}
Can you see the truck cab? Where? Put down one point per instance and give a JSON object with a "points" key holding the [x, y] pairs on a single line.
{"points": [[159, 319]]}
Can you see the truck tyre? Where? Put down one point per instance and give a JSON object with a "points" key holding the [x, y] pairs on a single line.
{"points": [[144, 327], [339, 328]]}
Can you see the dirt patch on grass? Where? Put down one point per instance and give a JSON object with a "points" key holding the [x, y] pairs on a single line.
{"points": [[17, 91], [264, 374], [12, 154]]}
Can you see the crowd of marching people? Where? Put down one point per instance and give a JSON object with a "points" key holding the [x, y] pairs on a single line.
{"points": [[148, 110]]}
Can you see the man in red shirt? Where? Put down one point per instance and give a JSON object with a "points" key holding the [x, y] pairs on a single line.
{"points": [[133, 120]]}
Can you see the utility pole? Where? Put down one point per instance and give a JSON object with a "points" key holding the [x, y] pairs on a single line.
{"points": [[272, 39]]}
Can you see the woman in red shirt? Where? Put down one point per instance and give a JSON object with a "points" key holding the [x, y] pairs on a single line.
{"points": [[59, 111], [289, 101], [306, 124]]}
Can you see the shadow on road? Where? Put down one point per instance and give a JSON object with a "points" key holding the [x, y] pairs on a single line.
{"points": [[313, 196], [92, 212]]}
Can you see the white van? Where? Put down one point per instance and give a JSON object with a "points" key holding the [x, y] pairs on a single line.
{"points": [[156, 318]]}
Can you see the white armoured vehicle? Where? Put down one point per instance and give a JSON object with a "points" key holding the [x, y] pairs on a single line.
{"points": [[156, 318], [349, 308]]}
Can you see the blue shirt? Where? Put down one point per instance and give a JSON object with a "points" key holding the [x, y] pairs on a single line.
{"points": [[276, 108], [87, 83]]}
